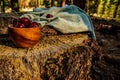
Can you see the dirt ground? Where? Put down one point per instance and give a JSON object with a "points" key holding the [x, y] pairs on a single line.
{"points": [[108, 38]]}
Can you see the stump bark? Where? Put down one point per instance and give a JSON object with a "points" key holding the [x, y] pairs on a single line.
{"points": [[58, 57]]}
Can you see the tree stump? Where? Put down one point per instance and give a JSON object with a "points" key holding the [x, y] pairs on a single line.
{"points": [[55, 57]]}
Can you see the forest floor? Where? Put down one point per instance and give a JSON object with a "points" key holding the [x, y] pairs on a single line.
{"points": [[108, 38]]}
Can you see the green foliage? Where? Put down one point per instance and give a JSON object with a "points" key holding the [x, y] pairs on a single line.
{"points": [[93, 4], [103, 8], [7, 2], [106, 8]]}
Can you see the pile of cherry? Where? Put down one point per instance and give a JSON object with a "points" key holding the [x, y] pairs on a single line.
{"points": [[25, 22]]}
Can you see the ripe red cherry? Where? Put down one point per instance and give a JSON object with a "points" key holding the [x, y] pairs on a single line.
{"points": [[49, 16], [20, 25], [34, 24], [26, 21]]}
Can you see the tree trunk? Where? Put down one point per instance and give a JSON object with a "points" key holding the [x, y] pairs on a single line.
{"points": [[63, 2], [38, 3], [47, 3], [80, 3], [15, 5], [116, 9], [2, 3], [52, 2]]}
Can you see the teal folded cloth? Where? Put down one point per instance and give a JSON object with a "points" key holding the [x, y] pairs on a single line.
{"points": [[68, 19]]}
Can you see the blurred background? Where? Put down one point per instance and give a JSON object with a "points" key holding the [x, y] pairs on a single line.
{"points": [[108, 9]]}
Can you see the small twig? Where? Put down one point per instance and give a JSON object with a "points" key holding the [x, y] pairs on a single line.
{"points": [[28, 50]]}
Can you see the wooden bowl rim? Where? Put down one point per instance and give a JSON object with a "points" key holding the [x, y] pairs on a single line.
{"points": [[11, 26]]}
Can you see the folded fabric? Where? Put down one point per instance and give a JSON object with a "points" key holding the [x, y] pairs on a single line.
{"points": [[68, 19]]}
